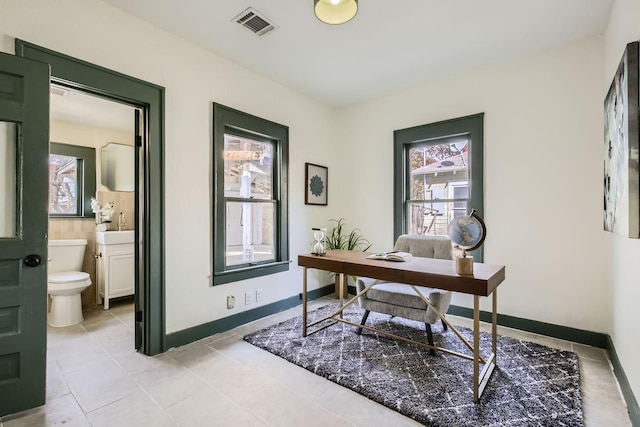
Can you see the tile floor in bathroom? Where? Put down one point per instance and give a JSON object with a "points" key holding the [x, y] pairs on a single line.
{"points": [[95, 378]]}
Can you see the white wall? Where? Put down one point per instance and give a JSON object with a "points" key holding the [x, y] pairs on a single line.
{"points": [[543, 175], [88, 136], [623, 253], [193, 79]]}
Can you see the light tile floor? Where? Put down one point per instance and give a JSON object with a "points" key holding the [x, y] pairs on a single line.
{"points": [[95, 378]]}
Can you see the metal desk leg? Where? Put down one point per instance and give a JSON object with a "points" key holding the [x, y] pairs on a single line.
{"points": [[494, 326], [341, 279], [476, 348], [304, 301]]}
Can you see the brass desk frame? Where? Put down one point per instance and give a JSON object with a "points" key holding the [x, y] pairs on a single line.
{"points": [[419, 272]]}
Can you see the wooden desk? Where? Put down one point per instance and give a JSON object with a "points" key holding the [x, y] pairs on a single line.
{"points": [[419, 272]]}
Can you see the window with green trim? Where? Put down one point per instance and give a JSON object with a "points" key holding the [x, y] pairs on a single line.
{"points": [[250, 228], [72, 180], [438, 175]]}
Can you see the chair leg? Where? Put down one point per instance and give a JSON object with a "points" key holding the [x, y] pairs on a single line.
{"points": [[364, 320], [430, 338], [444, 326]]}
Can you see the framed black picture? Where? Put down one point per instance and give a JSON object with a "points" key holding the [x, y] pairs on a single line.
{"points": [[621, 149], [315, 178]]}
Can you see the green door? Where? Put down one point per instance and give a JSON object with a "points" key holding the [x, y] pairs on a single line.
{"points": [[24, 152]]}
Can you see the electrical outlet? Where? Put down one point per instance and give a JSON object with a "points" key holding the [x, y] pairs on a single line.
{"points": [[248, 298], [258, 295], [231, 301]]}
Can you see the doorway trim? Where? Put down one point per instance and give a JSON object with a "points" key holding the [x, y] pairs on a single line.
{"points": [[93, 78]]}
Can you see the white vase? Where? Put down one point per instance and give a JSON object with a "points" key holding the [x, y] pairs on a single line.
{"points": [[101, 227]]}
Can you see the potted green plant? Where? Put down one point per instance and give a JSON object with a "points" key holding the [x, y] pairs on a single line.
{"points": [[340, 239]]}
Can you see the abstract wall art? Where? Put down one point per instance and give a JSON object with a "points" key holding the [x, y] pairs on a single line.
{"points": [[621, 149]]}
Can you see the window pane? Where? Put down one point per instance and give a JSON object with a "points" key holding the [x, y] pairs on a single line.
{"points": [[63, 185], [247, 168], [423, 219], [249, 233], [459, 190], [8, 134], [434, 166]]}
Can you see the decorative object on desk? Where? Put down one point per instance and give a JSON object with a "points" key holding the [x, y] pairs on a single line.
{"points": [[315, 177], [318, 235], [392, 256], [339, 239], [103, 213], [621, 148], [468, 233], [533, 384]]}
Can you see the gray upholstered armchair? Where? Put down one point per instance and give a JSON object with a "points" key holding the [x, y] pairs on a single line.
{"points": [[398, 299]]}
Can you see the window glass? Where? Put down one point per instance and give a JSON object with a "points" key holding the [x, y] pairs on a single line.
{"points": [[250, 233], [435, 165], [423, 220], [247, 168], [72, 180], [63, 185], [8, 139], [436, 169], [459, 190]]}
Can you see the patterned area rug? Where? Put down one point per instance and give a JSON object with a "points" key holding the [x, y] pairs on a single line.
{"points": [[533, 385]]}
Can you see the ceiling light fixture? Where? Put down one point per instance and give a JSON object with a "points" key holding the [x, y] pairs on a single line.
{"points": [[335, 12]]}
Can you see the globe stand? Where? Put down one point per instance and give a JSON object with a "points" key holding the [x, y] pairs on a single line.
{"points": [[468, 233], [464, 265]]}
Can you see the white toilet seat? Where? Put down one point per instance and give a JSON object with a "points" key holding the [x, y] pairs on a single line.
{"points": [[67, 277]]}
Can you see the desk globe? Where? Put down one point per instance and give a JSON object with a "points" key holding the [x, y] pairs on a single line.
{"points": [[468, 233]]}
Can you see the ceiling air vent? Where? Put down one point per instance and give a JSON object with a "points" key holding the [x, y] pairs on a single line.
{"points": [[58, 90], [256, 22]]}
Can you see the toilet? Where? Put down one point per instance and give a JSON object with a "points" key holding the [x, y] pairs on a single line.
{"points": [[65, 281]]}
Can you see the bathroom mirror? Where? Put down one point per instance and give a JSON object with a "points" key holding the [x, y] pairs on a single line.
{"points": [[117, 167]]}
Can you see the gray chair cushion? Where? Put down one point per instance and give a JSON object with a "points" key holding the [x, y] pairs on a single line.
{"points": [[425, 246], [399, 299], [398, 294]]}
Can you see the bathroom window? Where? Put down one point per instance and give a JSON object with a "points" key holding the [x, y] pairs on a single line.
{"points": [[250, 232], [72, 180]]}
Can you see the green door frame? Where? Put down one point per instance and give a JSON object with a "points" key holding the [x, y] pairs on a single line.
{"points": [[102, 81]]}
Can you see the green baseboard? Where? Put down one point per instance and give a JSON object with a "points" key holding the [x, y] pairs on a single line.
{"points": [[185, 336], [581, 336], [625, 387]]}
